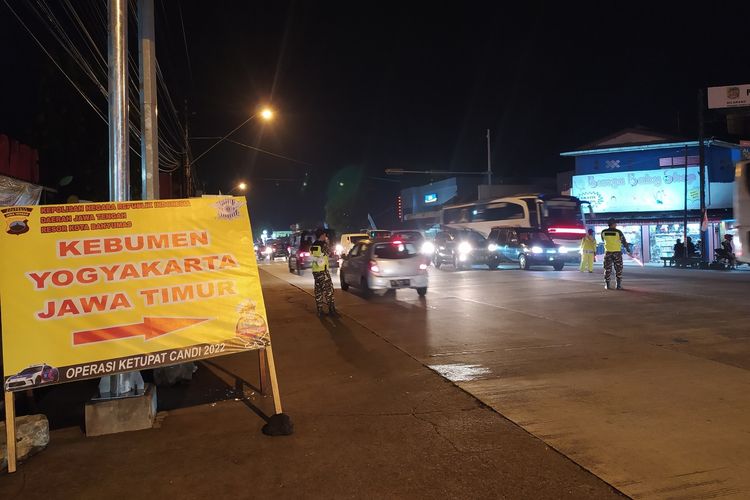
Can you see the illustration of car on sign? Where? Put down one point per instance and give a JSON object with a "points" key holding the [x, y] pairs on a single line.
{"points": [[32, 376]]}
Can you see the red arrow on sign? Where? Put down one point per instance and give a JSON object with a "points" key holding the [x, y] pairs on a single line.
{"points": [[150, 329]]}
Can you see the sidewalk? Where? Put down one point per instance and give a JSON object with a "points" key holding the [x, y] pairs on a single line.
{"points": [[370, 422]]}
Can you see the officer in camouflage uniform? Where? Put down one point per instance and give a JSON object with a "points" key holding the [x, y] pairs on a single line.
{"points": [[614, 242], [323, 285]]}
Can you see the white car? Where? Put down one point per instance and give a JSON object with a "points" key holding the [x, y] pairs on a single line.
{"points": [[384, 265], [347, 241], [32, 376]]}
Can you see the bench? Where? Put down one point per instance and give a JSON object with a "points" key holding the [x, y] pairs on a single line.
{"points": [[682, 261]]}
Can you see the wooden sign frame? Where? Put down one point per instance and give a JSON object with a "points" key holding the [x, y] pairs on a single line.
{"points": [[266, 373]]}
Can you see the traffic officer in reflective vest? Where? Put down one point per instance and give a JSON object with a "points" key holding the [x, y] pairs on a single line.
{"points": [[323, 285], [588, 250], [614, 242]]}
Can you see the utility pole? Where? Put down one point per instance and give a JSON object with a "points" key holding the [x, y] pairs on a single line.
{"points": [[149, 120], [119, 150], [489, 162], [702, 173], [685, 212], [117, 56]]}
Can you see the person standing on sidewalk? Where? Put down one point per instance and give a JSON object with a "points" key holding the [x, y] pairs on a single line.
{"points": [[588, 250], [614, 242], [323, 285]]}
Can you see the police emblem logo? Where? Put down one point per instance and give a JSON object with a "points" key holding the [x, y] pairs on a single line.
{"points": [[228, 208], [733, 93], [16, 219]]}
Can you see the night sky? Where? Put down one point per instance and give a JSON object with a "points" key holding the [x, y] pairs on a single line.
{"points": [[364, 86]]}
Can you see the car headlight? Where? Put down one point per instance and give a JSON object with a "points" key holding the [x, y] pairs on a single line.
{"points": [[269, 251], [428, 248], [339, 249], [563, 249], [491, 247], [464, 247], [536, 250]]}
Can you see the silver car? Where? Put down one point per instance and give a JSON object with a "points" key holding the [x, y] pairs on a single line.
{"points": [[384, 265]]}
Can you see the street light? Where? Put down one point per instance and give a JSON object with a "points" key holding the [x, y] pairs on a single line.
{"points": [[266, 114], [242, 186]]}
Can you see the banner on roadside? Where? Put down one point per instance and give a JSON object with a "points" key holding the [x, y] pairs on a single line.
{"points": [[94, 289]]}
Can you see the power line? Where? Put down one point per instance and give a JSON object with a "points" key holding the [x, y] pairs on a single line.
{"points": [[264, 151], [170, 133], [70, 80], [184, 39]]}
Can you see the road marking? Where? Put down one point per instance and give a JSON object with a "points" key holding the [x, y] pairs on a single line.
{"points": [[459, 372]]}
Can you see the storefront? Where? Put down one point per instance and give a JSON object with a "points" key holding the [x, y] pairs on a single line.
{"points": [[652, 187], [652, 241], [632, 235]]}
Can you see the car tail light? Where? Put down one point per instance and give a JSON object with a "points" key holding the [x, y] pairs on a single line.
{"points": [[423, 267], [374, 267], [304, 254], [566, 230]]}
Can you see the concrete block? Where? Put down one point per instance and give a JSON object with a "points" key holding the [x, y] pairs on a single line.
{"points": [[121, 415], [32, 436]]}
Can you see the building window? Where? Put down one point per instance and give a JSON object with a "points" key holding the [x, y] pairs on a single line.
{"points": [[662, 238]]}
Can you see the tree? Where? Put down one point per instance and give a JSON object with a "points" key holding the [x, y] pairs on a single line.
{"points": [[346, 206]]}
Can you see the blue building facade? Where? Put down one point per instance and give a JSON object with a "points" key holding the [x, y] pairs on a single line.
{"points": [[650, 183]]}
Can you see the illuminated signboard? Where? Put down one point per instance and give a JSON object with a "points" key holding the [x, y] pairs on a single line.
{"points": [[641, 191], [430, 198], [735, 96]]}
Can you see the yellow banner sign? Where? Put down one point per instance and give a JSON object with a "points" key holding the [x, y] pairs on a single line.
{"points": [[94, 289]]}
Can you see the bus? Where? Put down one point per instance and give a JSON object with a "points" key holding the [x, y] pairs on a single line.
{"points": [[563, 217], [742, 210]]}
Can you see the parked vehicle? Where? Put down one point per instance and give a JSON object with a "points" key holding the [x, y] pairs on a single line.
{"points": [[32, 376], [461, 248], [524, 246], [384, 265]]}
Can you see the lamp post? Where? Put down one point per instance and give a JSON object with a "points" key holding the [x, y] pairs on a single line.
{"points": [[266, 114], [242, 186]]}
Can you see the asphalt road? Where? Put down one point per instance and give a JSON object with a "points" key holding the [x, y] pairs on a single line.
{"points": [[646, 387]]}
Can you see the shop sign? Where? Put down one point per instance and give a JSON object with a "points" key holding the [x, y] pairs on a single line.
{"points": [[734, 96], [639, 191], [745, 149], [101, 288]]}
